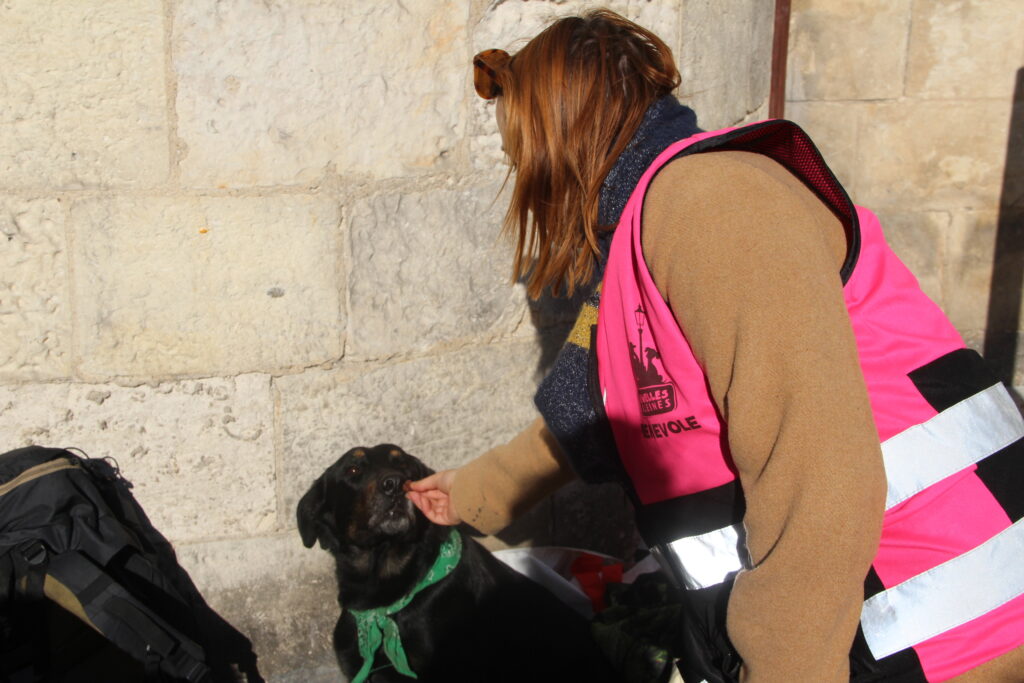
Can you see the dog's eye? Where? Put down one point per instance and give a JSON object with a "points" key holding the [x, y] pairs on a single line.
{"points": [[352, 470]]}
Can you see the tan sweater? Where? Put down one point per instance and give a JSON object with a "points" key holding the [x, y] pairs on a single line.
{"points": [[748, 259]]}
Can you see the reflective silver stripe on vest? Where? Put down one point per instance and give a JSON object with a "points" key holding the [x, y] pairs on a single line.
{"points": [[709, 558], [946, 596], [954, 439]]}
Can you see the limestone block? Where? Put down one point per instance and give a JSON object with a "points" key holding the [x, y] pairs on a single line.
{"points": [[34, 313], [725, 59], [919, 239], [510, 25], [974, 339], [282, 93], [202, 286], [427, 268], [280, 594], [835, 129], [965, 49], [83, 94], [200, 453], [929, 155], [758, 114], [853, 50], [969, 275], [485, 144], [932, 155], [444, 409], [986, 302]]}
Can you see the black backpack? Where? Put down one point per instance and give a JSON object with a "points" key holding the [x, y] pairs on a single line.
{"points": [[90, 591]]}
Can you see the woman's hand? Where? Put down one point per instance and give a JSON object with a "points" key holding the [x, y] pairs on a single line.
{"points": [[432, 495]]}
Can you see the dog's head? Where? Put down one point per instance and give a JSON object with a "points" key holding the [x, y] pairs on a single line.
{"points": [[360, 500]]}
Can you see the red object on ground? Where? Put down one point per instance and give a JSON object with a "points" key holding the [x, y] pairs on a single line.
{"points": [[593, 574]]}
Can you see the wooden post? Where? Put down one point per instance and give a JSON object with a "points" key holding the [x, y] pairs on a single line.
{"points": [[780, 49]]}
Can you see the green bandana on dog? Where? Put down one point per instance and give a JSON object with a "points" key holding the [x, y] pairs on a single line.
{"points": [[375, 626]]}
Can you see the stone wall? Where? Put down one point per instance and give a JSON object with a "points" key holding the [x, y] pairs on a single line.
{"points": [[919, 107], [240, 237]]}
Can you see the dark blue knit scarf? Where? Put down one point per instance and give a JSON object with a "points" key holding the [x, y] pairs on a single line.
{"points": [[563, 396]]}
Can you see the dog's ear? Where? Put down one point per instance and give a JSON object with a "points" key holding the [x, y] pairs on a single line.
{"points": [[309, 510]]}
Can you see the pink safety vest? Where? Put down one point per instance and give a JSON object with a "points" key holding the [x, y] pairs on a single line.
{"points": [[946, 588]]}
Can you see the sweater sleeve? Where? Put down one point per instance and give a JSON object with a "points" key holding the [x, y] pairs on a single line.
{"points": [[493, 490], [748, 259]]}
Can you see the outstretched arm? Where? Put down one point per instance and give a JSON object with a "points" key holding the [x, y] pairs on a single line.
{"points": [[490, 492]]}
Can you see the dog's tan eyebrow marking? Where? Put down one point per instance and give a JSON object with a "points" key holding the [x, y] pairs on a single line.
{"points": [[359, 453], [395, 452]]}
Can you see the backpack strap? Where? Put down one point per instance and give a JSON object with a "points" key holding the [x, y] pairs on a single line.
{"points": [[22, 577], [122, 619]]}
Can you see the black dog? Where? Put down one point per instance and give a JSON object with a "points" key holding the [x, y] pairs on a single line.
{"points": [[477, 621]]}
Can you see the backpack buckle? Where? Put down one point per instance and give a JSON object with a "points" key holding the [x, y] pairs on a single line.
{"points": [[34, 553], [30, 560]]}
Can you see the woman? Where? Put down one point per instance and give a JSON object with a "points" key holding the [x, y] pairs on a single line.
{"points": [[753, 355]]}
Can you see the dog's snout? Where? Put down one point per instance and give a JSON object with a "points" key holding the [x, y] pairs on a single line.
{"points": [[392, 484]]}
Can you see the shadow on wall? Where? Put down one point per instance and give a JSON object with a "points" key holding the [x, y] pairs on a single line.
{"points": [[1003, 322]]}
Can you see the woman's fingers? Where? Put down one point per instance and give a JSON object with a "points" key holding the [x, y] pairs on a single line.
{"points": [[432, 496], [433, 481], [436, 506]]}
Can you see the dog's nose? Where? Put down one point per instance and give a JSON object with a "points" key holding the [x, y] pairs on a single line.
{"points": [[391, 484]]}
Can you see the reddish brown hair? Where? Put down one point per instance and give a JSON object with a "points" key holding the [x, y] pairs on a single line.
{"points": [[573, 98]]}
